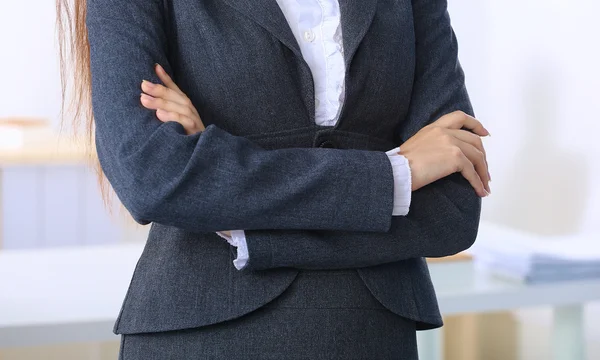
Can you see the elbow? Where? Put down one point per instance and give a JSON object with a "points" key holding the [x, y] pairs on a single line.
{"points": [[146, 201], [458, 231], [134, 188], [135, 198], [456, 239], [466, 227], [141, 212], [153, 176], [159, 197], [466, 236]]}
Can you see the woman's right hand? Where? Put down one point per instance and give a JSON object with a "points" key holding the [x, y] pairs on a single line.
{"points": [[443, 148]]}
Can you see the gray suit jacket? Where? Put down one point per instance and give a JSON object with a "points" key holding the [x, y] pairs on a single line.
{"points": [[308, 196]]}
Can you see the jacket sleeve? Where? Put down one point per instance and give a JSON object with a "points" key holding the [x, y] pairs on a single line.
{"points": [[197, 182], [444, 216]]}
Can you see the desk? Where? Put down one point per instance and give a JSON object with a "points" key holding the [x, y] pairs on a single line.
{"points": [[462, 289], [74, 294]]}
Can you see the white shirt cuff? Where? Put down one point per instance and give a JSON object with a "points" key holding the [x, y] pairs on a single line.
{"points": [[402, 182], [237, 239]]}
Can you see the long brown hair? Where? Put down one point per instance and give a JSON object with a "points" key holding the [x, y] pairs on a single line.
{"points": [[75, 74]]}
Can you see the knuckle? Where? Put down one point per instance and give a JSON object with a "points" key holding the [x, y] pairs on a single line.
{"points": [[459, 166], [186, 122], [478, 142], [457, 116], [161, 103], [456, 152], [157, 91], [481, 155], [160, 90], [437, 131], [164, 90], [480, 159], [446, 138]]}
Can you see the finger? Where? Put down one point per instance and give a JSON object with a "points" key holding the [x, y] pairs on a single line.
{"points": [[163, 92], [475, 140], [468, 172], [165, 78], [458, 120], [187, 123], [468, 137], [476, 158], [153, 103]]}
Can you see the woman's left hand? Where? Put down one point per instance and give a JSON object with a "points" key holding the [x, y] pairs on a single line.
{"points": [[170, 103]]}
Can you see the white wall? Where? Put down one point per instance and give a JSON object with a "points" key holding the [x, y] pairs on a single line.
{"points": [[28, 61], [533, 72]]}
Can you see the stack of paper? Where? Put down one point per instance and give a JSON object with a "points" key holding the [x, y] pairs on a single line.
{"points": [[536, 259]]}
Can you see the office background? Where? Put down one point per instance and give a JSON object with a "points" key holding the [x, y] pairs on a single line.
{"points": [[533, 72]]}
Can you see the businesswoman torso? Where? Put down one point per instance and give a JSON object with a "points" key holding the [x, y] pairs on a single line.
{"points": [[330, 268]]}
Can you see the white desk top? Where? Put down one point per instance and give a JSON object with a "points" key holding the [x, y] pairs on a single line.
{"points": [[74, 294], [58, 295], [461, 288]]}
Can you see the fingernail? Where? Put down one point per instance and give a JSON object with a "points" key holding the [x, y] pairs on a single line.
{"points": [[157, 65], [148, 83], [145, 97], [486, 193]]}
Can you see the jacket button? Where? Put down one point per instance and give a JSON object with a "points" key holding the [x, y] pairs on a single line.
{"points": [[327, 144]]}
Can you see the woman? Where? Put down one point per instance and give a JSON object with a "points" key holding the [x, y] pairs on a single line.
{"points": [[336, 140]]}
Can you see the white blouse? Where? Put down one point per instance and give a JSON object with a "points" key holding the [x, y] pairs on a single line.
{"points": [[316, 25], [317, 29]]}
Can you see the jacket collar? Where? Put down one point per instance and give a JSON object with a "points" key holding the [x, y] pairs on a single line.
{"points": [[356, 19], [357, 16]]}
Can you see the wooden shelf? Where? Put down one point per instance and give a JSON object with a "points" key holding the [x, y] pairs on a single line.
{"points": [[59, 151], [458, 257], [41, 145]]}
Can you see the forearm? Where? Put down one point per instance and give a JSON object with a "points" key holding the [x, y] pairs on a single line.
{"points": [[443, 220], [402, 198], [195, 182]]}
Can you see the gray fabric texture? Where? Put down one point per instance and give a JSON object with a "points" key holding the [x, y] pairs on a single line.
{"points": [[308, 196], [321, 315]]}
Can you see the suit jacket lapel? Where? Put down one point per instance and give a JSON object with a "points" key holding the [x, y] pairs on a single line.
{"points": [[356, 19], [357, 16], [268, 14]]}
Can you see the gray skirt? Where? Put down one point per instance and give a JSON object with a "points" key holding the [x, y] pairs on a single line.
{"points": [[322, 315]]}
